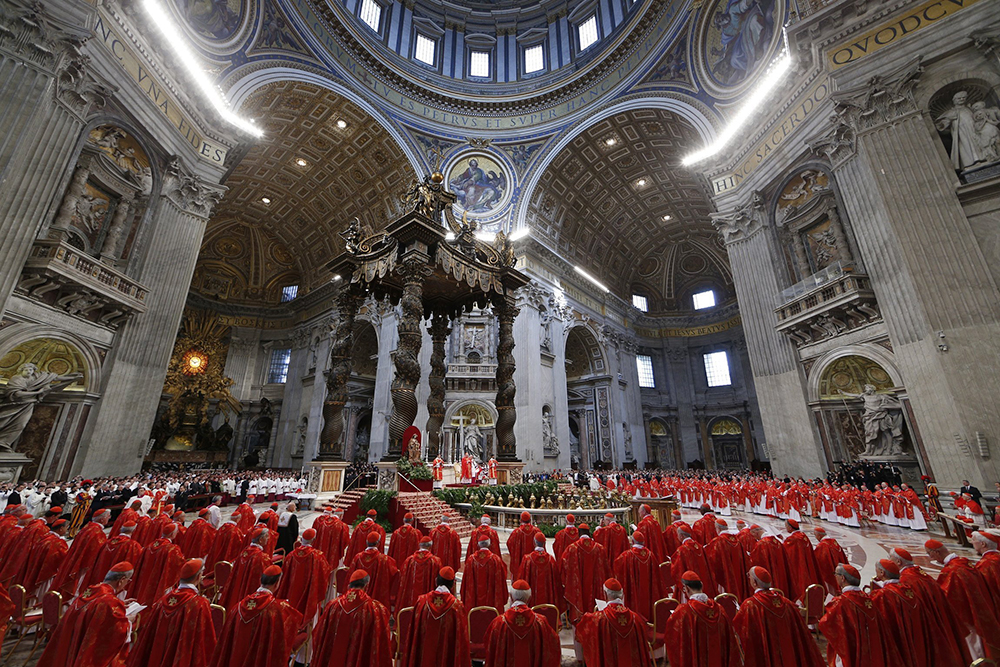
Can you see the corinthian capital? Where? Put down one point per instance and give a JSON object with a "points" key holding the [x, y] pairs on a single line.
{"points": [[880, 100], [188, 192], [742, 223]]}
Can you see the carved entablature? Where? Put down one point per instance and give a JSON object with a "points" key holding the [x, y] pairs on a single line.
{"points": [[881, 100], [830, 303], [742, 223]]}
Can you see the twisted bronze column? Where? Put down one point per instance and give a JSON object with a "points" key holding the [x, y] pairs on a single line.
{"points": [[407, 356], [506, 310], [435, 401]]}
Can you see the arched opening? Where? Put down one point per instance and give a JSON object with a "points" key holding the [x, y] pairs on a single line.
{"points": [[588, 388], [727, 443], [361, 391], [470, 428]]}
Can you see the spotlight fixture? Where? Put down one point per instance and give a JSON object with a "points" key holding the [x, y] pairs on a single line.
{"points": [[266, 200], [342, 124], [591, 278], [301, 162], [610, 141], [666, 218], [641, 182]]}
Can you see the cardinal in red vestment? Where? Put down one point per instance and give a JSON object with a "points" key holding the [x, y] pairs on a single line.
{"points": [[613, 537], [177, 631], [948, 631], [703, 530], [986, 544], [903, 618], [690, 556], [247, 517], [115, 550], [13, 558], [639, 574], [7, 610], [157, 569], [306, 577], [81, 556], [332, 536], [652, 534], [404, 540], [146, 530], [227, 543], [44, 560], [615, 636], [584, 567], [772, 632], [447, 545], [521, 638], [966, 591], [261, 630], [198, 537], [128, 515], [359, 539], [543, 575], [698, 633], [484, 580], [418, 574], [729, 562], [803, 568], [439, 633], [565, 537], [856, 633], [670, 539], [519, 543], [749, 537], [483, 531], [770, 555], [247, 570], [94, 630], [829, 555], [354, 629], [382, 570]]}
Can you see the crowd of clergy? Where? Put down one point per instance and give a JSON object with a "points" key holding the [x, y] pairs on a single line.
{"points": [[149, 591]]}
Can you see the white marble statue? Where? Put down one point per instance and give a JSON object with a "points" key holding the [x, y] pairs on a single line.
{"points": [[627, 435], [550, 443], [883, 421], [973, 141], [23, 392], [472, 440]]}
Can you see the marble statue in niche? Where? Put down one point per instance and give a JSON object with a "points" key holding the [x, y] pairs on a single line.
{"points": [[883, 422], [627, 440], [300, 437], [472, 441], [550, 442], [23, 392], [975, 138]]}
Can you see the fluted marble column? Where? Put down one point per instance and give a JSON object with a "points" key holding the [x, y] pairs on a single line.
{"points": [[117, 434]]}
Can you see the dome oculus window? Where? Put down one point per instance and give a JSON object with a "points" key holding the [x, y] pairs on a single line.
{"points": [[534, 59], [479, 63], [586, 32], [640, 302], [424, 49], [371, 14], [703, 300], [717, 369]]}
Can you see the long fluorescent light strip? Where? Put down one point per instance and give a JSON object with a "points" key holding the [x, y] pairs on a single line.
{"points": [[590, 278], [771, 80], [211, 91]]}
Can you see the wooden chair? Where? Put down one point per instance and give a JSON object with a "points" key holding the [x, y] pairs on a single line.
{"points": [[551, 614], [662, 609], [668, 582], [480, 619], [218, 619], [21, 621], [729, 603], [404, 619], [813, 601], [51, 613], [223, 570], [984, 662]]}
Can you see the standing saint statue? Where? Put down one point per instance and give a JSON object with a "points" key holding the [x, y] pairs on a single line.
{"points": [[883, 421], [18, 400], [472, 441]]}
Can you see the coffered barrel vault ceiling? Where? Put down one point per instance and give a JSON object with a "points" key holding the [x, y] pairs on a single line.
{"points": [[601, 204]]}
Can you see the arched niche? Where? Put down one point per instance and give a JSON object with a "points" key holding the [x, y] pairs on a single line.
{"points": [[726, 434], [588, 388], [966, 113], [458, 418]]}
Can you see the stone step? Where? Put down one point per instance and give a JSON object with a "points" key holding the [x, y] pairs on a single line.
{"points": [[427, 511]]}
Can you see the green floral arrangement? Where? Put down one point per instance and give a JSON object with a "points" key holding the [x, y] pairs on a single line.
{"points": [[414, 472]]}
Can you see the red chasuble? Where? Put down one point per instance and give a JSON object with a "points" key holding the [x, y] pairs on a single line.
{"points": [[989, 567], [484, 581], [691, 556], [670, 540], [730, 564], [156, 572], [748, 540], [544, 577], [614, 637], [829, 554], [92, 632], [44, 560], [438, 635], [417, 577], [245, 579], [404, 543], [907, 623], [128, 514], [520, 543], [966, 591], [7, 610], [305, 580], [80, 558], [383, 572], [146, 530], [564, 538], [773, 633], [522, 638], [639, 574], [198, 539], [653, 537], [226, 546], [116, 550], [353, 632], [803, 568], [770, 555], [949, 634], [856, 632], [584, 570], [359, 539], [177, 631], [247, 517], [699, 634], [703, 530], [482, 532], [447, 546], [332, 537], [14, 557], [259, 632], [614, 539]]}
